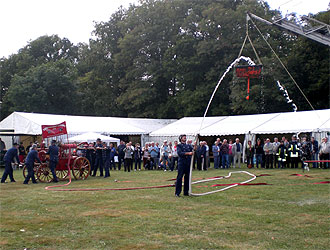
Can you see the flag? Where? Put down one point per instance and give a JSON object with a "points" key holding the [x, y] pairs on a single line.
{"points": [[53, 130]]}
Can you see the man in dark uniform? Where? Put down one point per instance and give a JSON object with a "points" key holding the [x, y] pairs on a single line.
{"points": [[99, 157], [8, 159], [184, 153], [53, 159], [121, 153], [30, 159], [201, 155], [106, 159]]}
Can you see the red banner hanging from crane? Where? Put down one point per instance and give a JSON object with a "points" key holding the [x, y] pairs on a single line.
{"points": [[248, 71], [53, 130]]}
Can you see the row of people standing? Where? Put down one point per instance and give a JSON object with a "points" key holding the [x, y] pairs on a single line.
{"points": [[160, 157], [274, 154], [103, 157], [227, 154], [281, 154]]}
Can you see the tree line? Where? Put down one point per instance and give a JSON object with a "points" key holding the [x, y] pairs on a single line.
{"points": [[162, 59]]}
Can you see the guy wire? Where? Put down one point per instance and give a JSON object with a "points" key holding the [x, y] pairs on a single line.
{"points": [[287, 71]]}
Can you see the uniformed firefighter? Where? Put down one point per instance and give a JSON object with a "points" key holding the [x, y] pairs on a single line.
{"points": [[184, 153], [282, 154], [294, 151]]}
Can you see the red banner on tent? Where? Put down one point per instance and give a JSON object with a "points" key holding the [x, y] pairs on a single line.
{"points": [[53, 130]]}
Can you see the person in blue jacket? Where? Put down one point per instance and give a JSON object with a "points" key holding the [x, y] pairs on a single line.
{"points": [[8, 159], [29, 162], [53, 159], [184, 153]]}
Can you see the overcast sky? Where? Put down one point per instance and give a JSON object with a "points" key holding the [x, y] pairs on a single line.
{"points": [[25, 20]]}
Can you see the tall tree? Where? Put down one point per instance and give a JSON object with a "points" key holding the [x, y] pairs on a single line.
{"points": [[47, 88], [163, 59], [43, 50]]}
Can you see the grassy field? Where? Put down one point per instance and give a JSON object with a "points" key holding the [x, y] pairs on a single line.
{"points": [[292, 213]]}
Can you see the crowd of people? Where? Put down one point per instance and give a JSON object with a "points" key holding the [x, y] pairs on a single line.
{"points": [[226, 154], [131, 157], [267, 154], [152, 156]]}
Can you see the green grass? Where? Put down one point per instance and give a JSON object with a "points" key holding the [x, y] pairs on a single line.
{"points": [[290, 214]]}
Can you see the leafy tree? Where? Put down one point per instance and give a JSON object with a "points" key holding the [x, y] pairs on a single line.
{"points": [[163, 59], [43, 50], [47, 88]]}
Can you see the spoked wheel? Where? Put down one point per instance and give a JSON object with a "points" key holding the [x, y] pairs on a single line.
{"points": [[81, 168], [62, 174], [44, 174], [25, 171], [35, 169]]}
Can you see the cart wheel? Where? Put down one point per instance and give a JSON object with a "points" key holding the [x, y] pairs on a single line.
{"points": [[62, 174], [25, 171], [81, 168], [35, 169], [44, 174]]}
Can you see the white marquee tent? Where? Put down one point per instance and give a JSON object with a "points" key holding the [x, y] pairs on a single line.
{"points": [[295, 122], [30, 124], [316, 122], [187, 125], [236, 125], [275, 123], [92, 137]]}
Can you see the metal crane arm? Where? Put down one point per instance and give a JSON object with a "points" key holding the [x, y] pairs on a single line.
{"points": [[319, 33]]}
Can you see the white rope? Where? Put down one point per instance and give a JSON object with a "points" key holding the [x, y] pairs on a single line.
{"points": [[223, 177]]}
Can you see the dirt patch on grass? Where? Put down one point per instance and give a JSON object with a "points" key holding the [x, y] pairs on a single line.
{"points": [[143, 246], [100, 213], [112, 213], [3, 242], [310, 202], [18, 213]]}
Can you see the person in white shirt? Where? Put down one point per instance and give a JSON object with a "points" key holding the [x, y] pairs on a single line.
{"points": [[324, 152], [175, 156]]}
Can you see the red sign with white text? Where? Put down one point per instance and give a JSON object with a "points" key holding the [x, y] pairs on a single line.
{"points": [[248, 71], [53, 130]]}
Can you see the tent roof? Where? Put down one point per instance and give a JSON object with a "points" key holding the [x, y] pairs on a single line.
{"points": [[30, 123], [325, 126], [234, 125], [293, 122], [186, 125], [149, 125], [273, 123], [91, 137]]}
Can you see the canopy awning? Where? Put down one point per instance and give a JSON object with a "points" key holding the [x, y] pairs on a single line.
{"points": [[30, 124], [92, 137], [186, 125]]}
